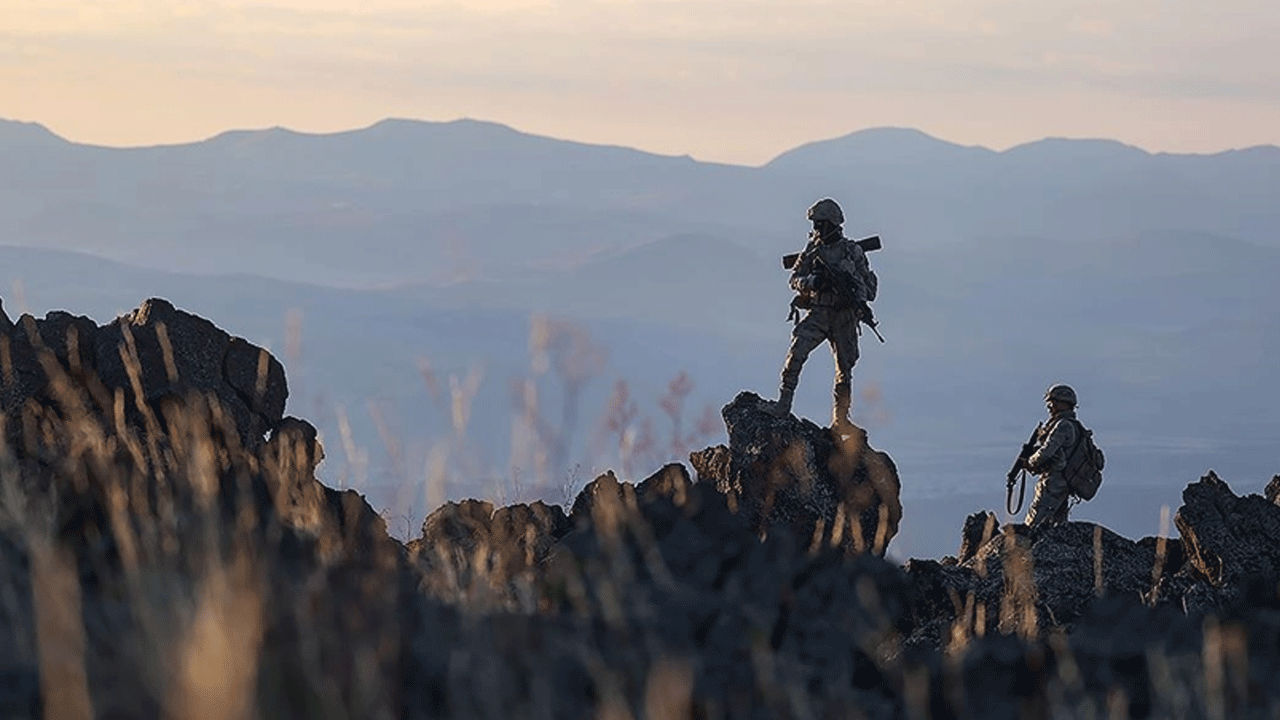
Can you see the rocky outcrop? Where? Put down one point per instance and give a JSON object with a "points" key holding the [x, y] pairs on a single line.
{"points": [[472, 549], [1012, 584], [788, 472], [1231, 545], [1272, 491], [151, 358], [147, 518]]}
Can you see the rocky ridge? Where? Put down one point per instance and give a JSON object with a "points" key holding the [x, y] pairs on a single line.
{"points": [[166, 547]]}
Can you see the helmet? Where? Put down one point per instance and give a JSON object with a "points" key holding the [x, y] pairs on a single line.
{"points": [[826, 209], [1063, 393]]}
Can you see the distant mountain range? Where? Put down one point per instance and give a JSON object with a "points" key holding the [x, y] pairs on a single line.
{"points": [[1147, 280], [418, 202]]}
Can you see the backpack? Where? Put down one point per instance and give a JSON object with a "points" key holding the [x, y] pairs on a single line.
{"points": [[1084, 464]]}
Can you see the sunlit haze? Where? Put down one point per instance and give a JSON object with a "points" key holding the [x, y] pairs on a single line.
{"points": [[735, 81]]}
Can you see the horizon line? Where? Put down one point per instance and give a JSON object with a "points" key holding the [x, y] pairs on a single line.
{"points": [[494, 123]]}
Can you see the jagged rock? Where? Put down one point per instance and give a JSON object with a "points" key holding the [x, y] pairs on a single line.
{"points": [[6, 325], [1169, 554], [696, 580], [671, 481], [469, 547], [463, 525], [589, 498], [711, 464], [257, 378], [1012, 584], [979, 528], [292, 454], [1272, 491], [1229, 549], [173, 353], [1070, 565], [1227, 537], [792, 473]]}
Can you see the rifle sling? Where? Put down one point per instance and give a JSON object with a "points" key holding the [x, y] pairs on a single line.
{"points": [[1022, 494]]}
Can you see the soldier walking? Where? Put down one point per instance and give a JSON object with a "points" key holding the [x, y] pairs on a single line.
{"points": [[834, 283]]}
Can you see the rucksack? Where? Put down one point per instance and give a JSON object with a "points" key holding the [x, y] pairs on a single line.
{"points": [[1084, 464]]}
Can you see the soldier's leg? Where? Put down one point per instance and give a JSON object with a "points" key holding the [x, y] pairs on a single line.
{"points": [[1049, 507], [844, 346], [807, 335]]}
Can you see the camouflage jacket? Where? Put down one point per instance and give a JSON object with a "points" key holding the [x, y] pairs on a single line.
{"points": [[1056, 440], [849, 263]]}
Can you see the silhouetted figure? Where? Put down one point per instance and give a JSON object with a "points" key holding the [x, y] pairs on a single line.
{"points": [[1065, 458], [834, 283]]}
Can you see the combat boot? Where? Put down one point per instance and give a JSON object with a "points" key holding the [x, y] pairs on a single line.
{"points": [[781, 407]]}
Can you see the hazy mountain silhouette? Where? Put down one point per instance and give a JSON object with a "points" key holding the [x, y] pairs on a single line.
{"points": [[408, 201]]}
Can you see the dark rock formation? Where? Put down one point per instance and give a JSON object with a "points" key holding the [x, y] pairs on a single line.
{"points": [[1012, 584], [151, 358], [711, 464], [1272, 491], [978, 530], [785, 472], [1231, 546], [146, 520], [159, 552], [692, 579], [1228, 537], [471, 548]]}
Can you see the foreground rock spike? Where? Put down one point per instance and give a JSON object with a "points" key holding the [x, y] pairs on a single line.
{"points": [[792, 473], [150, 357]]}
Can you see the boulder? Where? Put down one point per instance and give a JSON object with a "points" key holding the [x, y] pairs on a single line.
{"points": [[1272, 491], [470, 549], [1014, 584], [1230, 550], [1227, 537], [158, 351], [786, 472]]}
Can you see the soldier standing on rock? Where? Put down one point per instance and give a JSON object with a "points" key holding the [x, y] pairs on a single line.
{"points": [[834, 283], [1054, 442]]}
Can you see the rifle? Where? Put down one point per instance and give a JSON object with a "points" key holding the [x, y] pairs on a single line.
{"points": [[865, 315], [1028, 449], [868, 244]]}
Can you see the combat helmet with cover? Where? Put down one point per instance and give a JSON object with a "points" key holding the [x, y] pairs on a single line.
{"points": [[1062, 393], [826, 209]]}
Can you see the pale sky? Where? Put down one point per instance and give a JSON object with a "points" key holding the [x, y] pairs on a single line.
{"points": [[728, 80]]}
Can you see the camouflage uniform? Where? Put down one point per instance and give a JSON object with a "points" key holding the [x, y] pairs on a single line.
{"points": [[831, 316], [1049, 461]]}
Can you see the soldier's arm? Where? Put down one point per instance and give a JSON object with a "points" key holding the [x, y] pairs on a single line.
{"points": [[1062, 436]]}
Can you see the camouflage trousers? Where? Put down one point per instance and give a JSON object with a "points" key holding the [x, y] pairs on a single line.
{"points": [[1051, 502], [840, 329]]}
